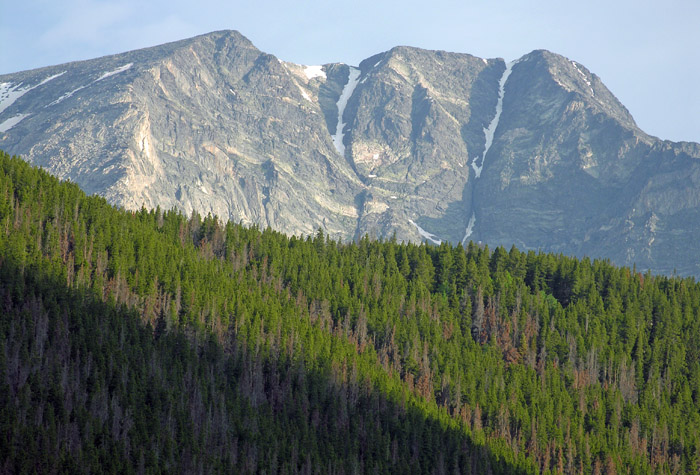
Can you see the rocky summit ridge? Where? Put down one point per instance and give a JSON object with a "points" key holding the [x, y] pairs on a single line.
{"points": [[431, 146]]}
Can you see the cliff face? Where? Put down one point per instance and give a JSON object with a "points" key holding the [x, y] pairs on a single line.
{"points": [[569, 171], [431, 145], [209, 124]]}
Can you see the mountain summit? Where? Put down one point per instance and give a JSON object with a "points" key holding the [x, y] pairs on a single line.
{"points": [[422, 144]]}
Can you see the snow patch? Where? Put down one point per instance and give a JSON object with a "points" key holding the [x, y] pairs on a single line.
{"points": [[372, 176], [485, 60], [429, 236], [585, 78], [314, 72], [11, 122], [9, 94], [470, 229], [489, 133], [377, 63], [353, 78], [120, 69], [491, 130], [394, 197], [65, 96], [304, 94], [51, 78]]}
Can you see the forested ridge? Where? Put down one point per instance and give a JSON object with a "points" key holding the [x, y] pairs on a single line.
{"points": [[152, 342]]}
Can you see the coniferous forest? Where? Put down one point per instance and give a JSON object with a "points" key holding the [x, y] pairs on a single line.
{"points": [[149, 342]]}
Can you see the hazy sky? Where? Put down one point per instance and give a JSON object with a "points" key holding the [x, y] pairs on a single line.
{"points": [[646, 52]]}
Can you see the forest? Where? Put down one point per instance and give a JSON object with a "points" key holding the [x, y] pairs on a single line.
{"points": [[152, 342]]}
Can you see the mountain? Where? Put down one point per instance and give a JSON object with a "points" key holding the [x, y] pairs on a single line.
{"points": [[209, 124], [431, 145]]}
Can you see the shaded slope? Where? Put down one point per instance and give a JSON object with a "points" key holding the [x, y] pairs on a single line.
{"points": [[126, 348], [90, 387]]}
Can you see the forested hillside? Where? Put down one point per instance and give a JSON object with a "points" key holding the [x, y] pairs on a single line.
{"points": [[150, 342]]}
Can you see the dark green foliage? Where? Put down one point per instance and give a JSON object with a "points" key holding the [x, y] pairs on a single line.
{"points": [[147, 341]]}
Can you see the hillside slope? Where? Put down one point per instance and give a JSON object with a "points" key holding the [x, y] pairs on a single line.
{"points": [[134, 340]]}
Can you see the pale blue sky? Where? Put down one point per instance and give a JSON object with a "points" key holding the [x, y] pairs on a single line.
{"points": [[644, 51]]}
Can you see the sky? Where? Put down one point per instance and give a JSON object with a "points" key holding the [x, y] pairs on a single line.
{"points": [[646, 52]]}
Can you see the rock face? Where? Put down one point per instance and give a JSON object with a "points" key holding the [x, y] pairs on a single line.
{"points": [[432, 145], [569, 171], [209, 124]]}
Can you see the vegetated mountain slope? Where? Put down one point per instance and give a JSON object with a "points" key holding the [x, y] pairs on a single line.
{"points": [[134, 342], [425, 144], [288, 354]]}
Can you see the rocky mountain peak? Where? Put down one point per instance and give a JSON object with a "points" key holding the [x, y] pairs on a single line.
{"points": [[430, 145], [573, 82]]}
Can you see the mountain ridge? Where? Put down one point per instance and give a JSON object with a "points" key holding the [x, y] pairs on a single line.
{"points": [[215, 125]]}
